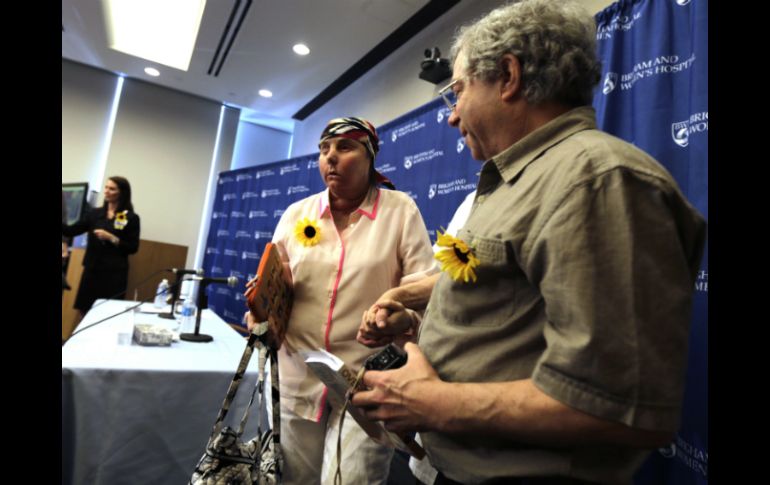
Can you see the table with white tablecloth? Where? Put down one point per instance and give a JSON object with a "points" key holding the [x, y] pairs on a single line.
{"points": [[136, 414]]}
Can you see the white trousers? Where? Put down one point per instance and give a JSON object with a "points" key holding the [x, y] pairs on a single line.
{"points": [[310, 451]]}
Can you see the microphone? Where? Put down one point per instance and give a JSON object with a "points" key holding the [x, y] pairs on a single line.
{"points": [[230, 281], [202, 303], [180, 271], [180, 274]]}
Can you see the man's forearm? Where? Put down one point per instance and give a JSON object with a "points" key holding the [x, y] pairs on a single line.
{"points": [[520, 411], [414, 295]]}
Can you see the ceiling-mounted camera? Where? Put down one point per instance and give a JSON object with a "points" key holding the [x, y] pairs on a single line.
{"points": [[434, 68]]}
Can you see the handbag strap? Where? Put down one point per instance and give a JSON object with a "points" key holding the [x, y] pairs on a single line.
{"points": [[255, 334]]}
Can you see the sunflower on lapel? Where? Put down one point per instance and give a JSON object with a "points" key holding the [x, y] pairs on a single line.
{"points": [[307, 232], [121, 219], [458, 259]]}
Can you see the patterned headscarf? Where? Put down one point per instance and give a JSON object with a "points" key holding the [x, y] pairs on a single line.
{"points": [[362, 131]]}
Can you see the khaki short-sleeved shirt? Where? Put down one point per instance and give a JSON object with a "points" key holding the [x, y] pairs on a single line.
{"points": [[588, 254]]}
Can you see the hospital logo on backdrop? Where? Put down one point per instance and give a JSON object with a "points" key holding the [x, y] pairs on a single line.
{"points": [[225, 180], [406, 129], [682, 3], [311, 164], [236, 214], [411, 194], [610, 80], [264, 173], [270, 192], [702, 283], [223, 233], [263, 235], [386, 168], [249, 195], [253, 214], [212, 251], [243, 176], [219, 215], [245, 234], [297, 189], [690, 455], [696, 124], [460, 144], [232, 253], [441, 114], [289, 168], [621, 22], [426, 156], [277, 213], [229, 196], [249, 255], [449, 187], [670, 64]]}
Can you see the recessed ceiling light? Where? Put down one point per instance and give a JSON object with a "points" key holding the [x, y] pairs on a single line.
{"points": [[301, 49], [151, 71], [265, 93], [162, 32]]}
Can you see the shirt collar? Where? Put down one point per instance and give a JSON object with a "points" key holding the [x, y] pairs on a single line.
{"points": [[368, 207], [514, 159]]}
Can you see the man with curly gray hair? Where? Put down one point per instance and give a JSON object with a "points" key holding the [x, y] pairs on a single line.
{"points": [[562, 358]]}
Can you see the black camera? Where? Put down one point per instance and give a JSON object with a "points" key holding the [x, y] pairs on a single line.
{"points": [[434, 68], [391, 357]]}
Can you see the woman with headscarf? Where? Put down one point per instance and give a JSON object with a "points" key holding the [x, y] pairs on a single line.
{"points": [[342, 248]]}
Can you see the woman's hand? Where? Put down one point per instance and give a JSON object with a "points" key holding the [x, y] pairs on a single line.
{"points": [[106, 236], [384, 322]]}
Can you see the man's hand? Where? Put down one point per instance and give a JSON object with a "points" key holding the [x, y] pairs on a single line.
{"points": [[383, 322], [400, 398]]}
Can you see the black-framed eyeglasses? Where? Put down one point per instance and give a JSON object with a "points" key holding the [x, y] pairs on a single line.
{"points": [[449, 96]]}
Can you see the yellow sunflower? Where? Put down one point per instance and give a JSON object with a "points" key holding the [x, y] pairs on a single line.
{"points": [[307, 232], [458, 259], [121, 219]]}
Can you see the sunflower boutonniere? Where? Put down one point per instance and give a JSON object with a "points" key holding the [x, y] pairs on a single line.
{"points": [[121, 219], [307, 232], [458, 259]]}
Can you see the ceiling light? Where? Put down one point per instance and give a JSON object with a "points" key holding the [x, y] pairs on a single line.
{"points": [[301, 49], [162, 32], [151, 71], [265, 93]]}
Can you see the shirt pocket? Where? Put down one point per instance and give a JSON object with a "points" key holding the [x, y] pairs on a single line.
{"points": [[491, 300]]}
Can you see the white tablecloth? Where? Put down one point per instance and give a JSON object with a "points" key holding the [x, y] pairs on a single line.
{"points": [[142, 415]]}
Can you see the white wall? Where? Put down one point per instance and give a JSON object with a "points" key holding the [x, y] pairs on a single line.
{"points": [[393, 88], [163, 142], [257, 144], [86, 97]]}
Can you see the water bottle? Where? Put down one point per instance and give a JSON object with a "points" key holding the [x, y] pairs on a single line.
{"points": [[188, 316], [161, 294]]}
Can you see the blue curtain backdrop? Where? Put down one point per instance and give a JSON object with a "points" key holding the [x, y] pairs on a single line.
{"points": [[419, 152], [654, 94]]}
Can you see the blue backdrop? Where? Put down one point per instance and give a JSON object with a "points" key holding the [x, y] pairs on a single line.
{"points": [[654, 94]]}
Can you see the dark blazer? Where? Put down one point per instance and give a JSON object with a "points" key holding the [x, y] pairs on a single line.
{"points": [[103, 255]]}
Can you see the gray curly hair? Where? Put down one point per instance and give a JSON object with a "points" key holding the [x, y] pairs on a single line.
{"points": [[554, 41]]}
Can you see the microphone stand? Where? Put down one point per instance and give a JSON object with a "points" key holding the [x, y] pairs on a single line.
{"points": [[174, 297], [203, 302]]}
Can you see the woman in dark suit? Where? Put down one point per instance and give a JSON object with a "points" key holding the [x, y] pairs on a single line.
{"points": [[113, 234]]}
